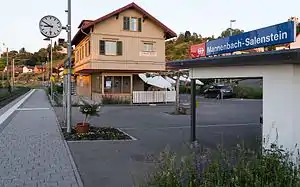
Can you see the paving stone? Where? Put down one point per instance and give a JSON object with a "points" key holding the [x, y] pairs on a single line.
{"points": [[32, 152]]}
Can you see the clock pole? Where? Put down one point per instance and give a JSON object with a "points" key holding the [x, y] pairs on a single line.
{"points": [[51, 71], [69, 104]]}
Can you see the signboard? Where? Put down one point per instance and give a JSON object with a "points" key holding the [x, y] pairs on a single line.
{"points": [[273, 35], [52, 78], [107, 84], [198, 50], [66, 71], [148, 53]]}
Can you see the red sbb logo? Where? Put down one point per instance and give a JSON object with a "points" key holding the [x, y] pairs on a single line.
{"points": [[198, 50]]}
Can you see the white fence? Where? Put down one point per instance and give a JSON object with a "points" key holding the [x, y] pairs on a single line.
{"points": [[153, 96]]}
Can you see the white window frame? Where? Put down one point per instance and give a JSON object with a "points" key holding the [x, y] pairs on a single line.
{"points": [[148, 47], [133, 26], [110, 48]]}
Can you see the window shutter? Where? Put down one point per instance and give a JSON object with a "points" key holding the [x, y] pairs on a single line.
{"points": [[126, 23], [102, 47], [119, 48], [140, 24]]}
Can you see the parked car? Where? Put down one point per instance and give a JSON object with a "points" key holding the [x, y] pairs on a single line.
{"points": [[215, 91]]}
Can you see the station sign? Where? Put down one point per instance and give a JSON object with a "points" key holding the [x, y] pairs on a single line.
{"points": [[282, 33]]}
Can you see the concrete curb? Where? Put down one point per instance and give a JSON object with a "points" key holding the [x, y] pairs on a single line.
{"points": [[133, 138], [132, 105], [75, 170]]}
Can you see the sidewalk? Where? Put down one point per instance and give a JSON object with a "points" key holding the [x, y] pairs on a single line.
{"points": [[32, 151]]}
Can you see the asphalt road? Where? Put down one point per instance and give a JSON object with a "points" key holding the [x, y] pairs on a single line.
{"points": [[116, 163]]}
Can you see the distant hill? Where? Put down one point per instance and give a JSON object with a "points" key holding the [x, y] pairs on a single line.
{"points": [[22, 57]]}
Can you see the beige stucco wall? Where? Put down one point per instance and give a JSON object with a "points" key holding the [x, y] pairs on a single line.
{"points": [[133, 43]]}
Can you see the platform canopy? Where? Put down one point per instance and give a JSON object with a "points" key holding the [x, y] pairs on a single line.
{"points": [[291, 56]]}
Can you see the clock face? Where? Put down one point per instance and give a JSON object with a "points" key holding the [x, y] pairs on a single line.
{"points": [[50, 26]]}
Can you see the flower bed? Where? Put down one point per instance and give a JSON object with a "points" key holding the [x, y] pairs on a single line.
{"points": [[96, 133]]}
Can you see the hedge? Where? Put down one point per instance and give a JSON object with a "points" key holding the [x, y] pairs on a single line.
{"points": [[247, 92]]}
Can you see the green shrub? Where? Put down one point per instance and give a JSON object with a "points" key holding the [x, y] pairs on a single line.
{"points": [[49, 90], [184, 90], [110, 99], [241, 167], [58, 89], [247, 92]]}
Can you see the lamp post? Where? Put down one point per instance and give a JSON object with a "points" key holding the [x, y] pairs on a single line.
{"points": [[69, 107], [51, 69], [231, 21]]}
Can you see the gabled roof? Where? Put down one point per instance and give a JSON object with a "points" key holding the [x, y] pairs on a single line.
{"points": [[86, 24]]}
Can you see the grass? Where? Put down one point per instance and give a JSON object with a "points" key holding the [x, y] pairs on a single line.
{"points": [[241, 167]]}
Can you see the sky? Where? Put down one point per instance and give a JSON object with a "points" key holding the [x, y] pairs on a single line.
{"points": [[20, 18]]}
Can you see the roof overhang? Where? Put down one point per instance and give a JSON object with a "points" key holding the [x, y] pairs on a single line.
{"points": [[80, 35], [291, 56]]}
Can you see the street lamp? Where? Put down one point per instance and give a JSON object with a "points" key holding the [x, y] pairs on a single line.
{"points": [[231, 21], [51, 84]]}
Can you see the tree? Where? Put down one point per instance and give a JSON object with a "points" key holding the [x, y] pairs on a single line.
{"points": [[180, 38], [22, 50], [187, 36], [228, 32], [26, 77]]}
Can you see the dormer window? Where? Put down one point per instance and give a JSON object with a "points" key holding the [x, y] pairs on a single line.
{"points": [[132, 24]]}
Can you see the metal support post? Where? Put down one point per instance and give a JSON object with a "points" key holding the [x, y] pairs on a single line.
{"points": [[51, 73], [7, 76], [64, 99], [69, 104], [193, 110], [13, 74]]}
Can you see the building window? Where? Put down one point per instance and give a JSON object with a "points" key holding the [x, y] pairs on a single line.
{"points": [[89, 48], [96, 83], [82, 52], [111, 47], [148, 47], [86, 50], [117, 84], [132, 24], [79, 54]]}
